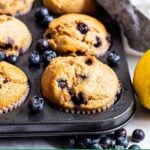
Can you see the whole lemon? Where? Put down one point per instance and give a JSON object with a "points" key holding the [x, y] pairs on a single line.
{"points": [[141, 80]]}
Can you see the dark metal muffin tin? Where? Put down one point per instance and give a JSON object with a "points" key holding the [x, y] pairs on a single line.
{"points": [[51, 121]]}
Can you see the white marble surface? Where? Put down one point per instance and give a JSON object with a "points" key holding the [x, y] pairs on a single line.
{"points": [[143, 6], [142, 116]]}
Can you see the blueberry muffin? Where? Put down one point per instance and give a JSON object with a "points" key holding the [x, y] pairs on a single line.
{"points": [[15, 38], [76, 34], [13, 87], [13, 7], [80, 84], [71, 6]]}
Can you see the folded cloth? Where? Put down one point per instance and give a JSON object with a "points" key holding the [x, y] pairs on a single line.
{"points": [[135, 24]]}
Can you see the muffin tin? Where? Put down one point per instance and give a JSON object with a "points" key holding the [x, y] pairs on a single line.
{"points": [[51, 121]]}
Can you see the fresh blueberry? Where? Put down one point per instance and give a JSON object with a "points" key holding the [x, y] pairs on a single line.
{"points": [[42, 45], [113, 143], [95, 146], [12, 59], [138, 135], [80, 144], [2, 56], [46, 20], [112, 136], [83, 28], [113, 59], [95, 139], [69, 142], [36, 104], [121, 133], [41, 13], [122, 141], [48, 56], [34, 58], [84, 142], [134, 147], [87, 141], [106, 142]]}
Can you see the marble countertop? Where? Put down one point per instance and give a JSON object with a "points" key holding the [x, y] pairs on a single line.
{"points": [[142, 116]]}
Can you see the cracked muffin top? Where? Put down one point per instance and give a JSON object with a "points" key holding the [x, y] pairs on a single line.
{"points": [[15, 38], [80, 83], [76, 34], [13, 7]]}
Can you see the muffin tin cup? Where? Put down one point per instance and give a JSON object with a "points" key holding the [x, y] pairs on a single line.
{"points": [[53, 122], [15, 105]]}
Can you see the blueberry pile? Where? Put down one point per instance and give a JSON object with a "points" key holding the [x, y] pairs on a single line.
{"points": [[113, 59], [11, 58], [116, 140], [43, 16], [41, 54], [36, 104]]}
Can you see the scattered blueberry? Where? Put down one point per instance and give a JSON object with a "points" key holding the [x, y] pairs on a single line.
{"points": [[36, 104], [138, 135], [113, 59], [134, 147], [46, 20], [12, 59], [85, 142], [121, 133], [95, 146], [2, 56], [122, 141], [95, 140], [80, 145], [113, 143], [48, 56], [116, 140], [83, 28], [43, 16], [105, 142], [41, 13], [69, 142], [42, 45], [34, 58]]}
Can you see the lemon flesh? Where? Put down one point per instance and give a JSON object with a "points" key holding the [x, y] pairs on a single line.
{"points": [[141, 80]]}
